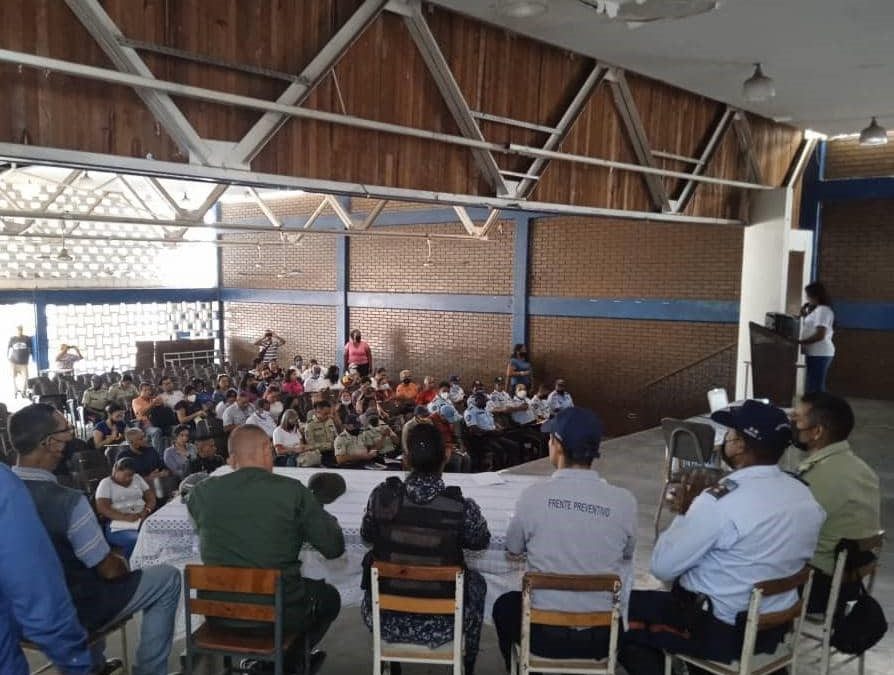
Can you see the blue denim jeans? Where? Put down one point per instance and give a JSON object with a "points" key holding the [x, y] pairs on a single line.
{"points": [[157, 597], [126, 540], [817, 369]]}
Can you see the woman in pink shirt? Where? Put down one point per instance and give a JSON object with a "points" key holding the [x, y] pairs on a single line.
{"points": [[357, 351], [292, 386]]}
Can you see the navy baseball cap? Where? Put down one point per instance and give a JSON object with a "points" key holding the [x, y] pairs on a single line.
{"points": [[421, 411], [765, 424], [578, 429], [453, 378]]}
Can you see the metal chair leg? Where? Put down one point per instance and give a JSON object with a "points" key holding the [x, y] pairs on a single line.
{"points": [[660, 508], [125, 658]]}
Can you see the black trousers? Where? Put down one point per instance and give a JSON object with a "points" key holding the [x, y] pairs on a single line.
{"points": [[547, 641], [659, 622], [822, 587], [363, 369]]}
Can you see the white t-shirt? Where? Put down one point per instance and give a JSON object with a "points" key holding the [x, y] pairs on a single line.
{"points": [[125, 499], [287, 438], [821, 316], [263, 419], [171, 399], [313, 385]]}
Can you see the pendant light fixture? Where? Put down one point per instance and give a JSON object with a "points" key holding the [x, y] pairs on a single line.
{"points": [[522, 9], [758, 88], [874, 134]]}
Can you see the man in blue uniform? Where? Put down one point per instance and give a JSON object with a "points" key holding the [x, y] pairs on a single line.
{"points": [[759, 523]]}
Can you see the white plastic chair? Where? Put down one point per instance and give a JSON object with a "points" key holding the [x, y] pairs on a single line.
{"points": [[817, 629], [524, 662], [786, 654], [384, 653]]}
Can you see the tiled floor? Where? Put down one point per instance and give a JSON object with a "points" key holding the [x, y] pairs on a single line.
{"points": [[635, 462]]}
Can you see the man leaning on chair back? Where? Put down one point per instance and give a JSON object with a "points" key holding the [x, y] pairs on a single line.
{"points": [[843, 484]]}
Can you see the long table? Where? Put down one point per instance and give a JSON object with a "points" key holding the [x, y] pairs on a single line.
{"points": [[169, 536]]}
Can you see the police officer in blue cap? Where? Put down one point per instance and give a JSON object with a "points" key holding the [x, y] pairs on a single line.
{"points": [[758, 523], [573, 523]]}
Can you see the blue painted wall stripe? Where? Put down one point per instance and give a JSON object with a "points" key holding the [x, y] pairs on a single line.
{"points": [[279, 296], [849, 189], [101, 296], [708, 311], [438, 302], [864, 315]]}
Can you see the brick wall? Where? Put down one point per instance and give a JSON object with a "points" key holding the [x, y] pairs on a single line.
{"points": [[857, 250], [308, 265], [588, 257], [608, 363], [307, 329], [846, 158], [298, 205], [864, 364], [398, 265], [436, 343]]}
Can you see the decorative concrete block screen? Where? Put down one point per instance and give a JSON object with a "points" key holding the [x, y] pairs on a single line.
{"points": [[107, 334]]}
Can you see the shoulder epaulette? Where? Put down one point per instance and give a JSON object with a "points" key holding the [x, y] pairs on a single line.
{"points": [[722, 489]]}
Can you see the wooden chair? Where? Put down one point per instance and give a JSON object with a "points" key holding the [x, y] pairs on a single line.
{"points": [[785, 655], [94, 637], [227, 642], [689, 444], [817, 628], [524, 662], [384, 653]]}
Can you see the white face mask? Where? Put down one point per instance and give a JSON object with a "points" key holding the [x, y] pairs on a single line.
{"points": [[521, 393], [191, 398], [444, 395]]}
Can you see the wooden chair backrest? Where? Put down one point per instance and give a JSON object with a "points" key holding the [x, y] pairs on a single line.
{"points": [[411, 605], [777, 587], [249, 581], [605, 583], [862, 568]]}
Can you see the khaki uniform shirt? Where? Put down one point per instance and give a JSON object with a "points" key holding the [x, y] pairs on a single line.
{"points": [[95, 400], [370, 437], [320, 435], [848, 490], [349, 445], [123, 395]]}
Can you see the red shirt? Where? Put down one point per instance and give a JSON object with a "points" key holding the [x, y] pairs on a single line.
{"points": [[426, 396], [446, 431], [292, 388]]}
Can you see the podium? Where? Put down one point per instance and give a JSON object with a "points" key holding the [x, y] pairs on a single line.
{"points": [[774, 363]]}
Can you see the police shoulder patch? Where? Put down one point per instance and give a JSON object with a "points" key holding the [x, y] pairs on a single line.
{"points": [[722, 489]]}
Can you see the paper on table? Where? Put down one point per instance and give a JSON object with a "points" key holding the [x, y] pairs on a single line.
{"points": [[120, 525], [488, 478]]}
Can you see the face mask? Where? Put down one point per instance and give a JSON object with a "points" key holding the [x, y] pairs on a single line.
{"points": [[407, 380], [444, 395], [346, 401], [354, 432], [560, 392], [521, 393], [191, 398], [374, 423]]}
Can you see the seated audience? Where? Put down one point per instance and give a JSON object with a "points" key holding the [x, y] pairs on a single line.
{"points": [[224, 384], [111, 430], [843, 484], [144, 407], [457, 395], [169, 395], [491, 449], [291, 385], [123, 392], [308, 371], [375, 433], [364, 399], [351, 377], [177, 456], [441, 399], [559, 398], [206, 460], [288, 445], [146, 461], [228, 400], [423, 522], [428, 392], [101, 587], [254, 518], [237, 413], [500, 399], [315, 382], [203, 395], [540, 404], [350, 449], [320, 432], [345, 407], [447, 421], [382, 385], [189, 410], [420, 415], [262, 418], [124, 499], [758, 523], [575, 522], [95, 400], [331, 378], [407, 390], [43, 612]]}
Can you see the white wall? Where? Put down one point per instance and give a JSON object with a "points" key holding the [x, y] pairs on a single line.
{"points": [[764, 270]]}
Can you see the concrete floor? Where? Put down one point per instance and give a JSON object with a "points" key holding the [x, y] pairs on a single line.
{"points": [[635, 462]]}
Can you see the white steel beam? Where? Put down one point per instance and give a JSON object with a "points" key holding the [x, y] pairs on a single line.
{"points": [[268, 213], [94, 18], [453, 96], [266, 127], [680, 204], [20, 153], [746, 145], [508, 121], [467, 222], [636, 134], [799, 162], [223, 98], [572, 112]]}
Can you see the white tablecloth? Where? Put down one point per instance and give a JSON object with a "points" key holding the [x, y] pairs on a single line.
{"points": [[168, 535]]}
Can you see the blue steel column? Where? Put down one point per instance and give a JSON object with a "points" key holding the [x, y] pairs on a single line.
{"points": [[812, 202], [42, 353], [342, 262], [521, 254]]}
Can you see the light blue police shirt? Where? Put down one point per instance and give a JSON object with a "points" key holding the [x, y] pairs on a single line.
{"points": [[765, 527], [476, 417]]}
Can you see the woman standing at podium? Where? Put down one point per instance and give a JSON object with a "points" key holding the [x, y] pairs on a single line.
{"points": [[816, 336]]}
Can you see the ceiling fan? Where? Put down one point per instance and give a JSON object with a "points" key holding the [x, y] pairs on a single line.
{"points": [[257, 268], [63, 254], [643, 11]]}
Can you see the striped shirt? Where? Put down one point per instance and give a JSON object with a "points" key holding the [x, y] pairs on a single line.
{"points": [[84, 533]]}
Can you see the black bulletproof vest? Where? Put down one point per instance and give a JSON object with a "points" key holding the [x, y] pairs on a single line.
{"points": [[418, 534]]}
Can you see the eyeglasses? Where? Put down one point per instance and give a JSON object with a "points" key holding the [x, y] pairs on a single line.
{"points": [[68, 429]]}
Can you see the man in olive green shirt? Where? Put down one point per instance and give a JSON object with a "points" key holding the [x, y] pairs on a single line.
{"points": [[254, 518], [844, 485], [320, 432], [350, 449]]}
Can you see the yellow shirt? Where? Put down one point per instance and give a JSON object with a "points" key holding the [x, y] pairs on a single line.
{"points": [[848, 490]]}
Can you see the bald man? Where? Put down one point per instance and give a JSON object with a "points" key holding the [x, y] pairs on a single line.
{"points": [[254, 518]]}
